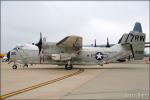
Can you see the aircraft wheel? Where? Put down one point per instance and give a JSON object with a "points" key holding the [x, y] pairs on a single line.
{"points": [[101, 64], [14, 66], [68, 67], [25, 65]]}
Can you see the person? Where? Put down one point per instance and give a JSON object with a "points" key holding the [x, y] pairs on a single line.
{"points": [[146, 60], [8, 56]]}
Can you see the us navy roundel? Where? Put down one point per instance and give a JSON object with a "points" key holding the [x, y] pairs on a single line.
{"points": [[99, 56]]}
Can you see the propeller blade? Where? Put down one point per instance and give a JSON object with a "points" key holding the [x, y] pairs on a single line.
{"points": [[39, 44], [95, 43], [108, 45]]}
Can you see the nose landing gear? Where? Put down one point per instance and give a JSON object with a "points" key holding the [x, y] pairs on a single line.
{"points": [[14, 66]]}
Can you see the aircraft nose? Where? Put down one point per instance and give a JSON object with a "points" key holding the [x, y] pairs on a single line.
{"points": [[12, 55]]}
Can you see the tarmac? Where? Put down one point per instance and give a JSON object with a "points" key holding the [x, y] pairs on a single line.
{"points": [[129, 80]]}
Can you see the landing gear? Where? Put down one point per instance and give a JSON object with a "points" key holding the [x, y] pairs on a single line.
{"points": [[25, 65], [101, 64], [14, 66], [68, 66]]}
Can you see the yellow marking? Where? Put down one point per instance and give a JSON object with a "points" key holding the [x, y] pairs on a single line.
{"points": [[40, 85]]}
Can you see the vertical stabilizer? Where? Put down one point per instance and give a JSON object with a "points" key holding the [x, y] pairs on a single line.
{"points": [[137, 27], [136, 39]]}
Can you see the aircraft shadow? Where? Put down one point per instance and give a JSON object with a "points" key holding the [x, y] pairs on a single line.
{"points": [[89, 68]]}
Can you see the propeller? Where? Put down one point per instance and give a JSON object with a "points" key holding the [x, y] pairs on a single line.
{"points": [[39, 44], [108, 45], [95, 43]]}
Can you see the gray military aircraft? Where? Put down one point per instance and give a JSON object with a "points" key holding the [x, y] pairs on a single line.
{"points": [[70, 51]]}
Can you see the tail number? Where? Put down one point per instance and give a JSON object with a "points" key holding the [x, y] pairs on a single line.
{"points": [[137, 38]]}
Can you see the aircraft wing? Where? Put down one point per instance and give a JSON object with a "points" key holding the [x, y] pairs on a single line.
{"points": [[71, 42]]}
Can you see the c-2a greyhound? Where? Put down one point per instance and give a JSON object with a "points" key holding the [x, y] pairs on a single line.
{"points": [[69, 51]]}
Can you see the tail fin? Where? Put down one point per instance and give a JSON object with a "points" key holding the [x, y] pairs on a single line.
{"points": [[137, 27], [136, 39]]}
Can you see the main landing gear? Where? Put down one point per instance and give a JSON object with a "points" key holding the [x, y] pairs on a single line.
{"points": [[101, 64], [25, 65], [68, 66]]}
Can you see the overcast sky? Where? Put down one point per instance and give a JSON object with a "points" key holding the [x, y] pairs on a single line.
{"points": [[22, 21]]}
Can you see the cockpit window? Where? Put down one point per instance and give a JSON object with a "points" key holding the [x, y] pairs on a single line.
{"points": [[17, 48]]}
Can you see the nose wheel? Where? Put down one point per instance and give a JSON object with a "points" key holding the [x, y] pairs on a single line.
{"points": [[14, 66]]}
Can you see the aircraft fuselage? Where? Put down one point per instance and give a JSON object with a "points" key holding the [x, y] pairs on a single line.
{"points": [[56, 55]]}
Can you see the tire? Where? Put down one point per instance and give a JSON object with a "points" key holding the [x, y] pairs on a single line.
{"points": [[25, 65], [14, 66], [101, 64], [67, 67]]}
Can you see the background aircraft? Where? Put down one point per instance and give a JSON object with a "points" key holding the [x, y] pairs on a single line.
{"points": [[2, 55], [70, 51], [107, 45]]}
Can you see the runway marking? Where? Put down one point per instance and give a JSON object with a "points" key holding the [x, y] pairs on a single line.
{"points": [[40, 85]]}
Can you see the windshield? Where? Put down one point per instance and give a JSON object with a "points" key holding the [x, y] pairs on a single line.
{"points": [[17, 47]]}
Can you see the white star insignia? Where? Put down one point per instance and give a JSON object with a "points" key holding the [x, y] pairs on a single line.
{"points": [[99, 56]]}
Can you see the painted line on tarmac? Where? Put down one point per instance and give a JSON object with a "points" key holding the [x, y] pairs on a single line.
{"points": [[40, 85]]}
